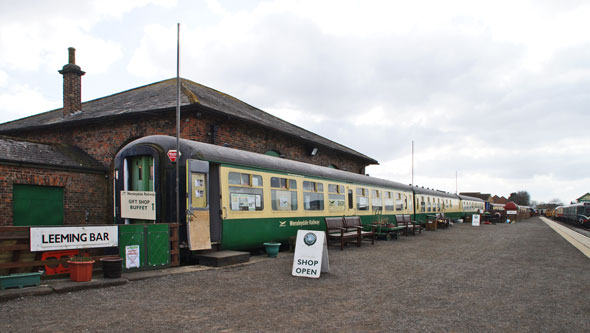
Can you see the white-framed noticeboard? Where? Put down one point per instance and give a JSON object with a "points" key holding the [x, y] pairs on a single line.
{"points": [[475, 220]]}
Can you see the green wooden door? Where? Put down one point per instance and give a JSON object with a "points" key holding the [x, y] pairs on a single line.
{"points": [[141, 177], [142, 173], [37, 205]]}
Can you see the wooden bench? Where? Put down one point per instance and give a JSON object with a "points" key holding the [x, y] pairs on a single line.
{"points": [[410, 226], [354, 223], [336, 231]]}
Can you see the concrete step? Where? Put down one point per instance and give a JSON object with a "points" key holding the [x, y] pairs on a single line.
{"points": [[222, 258]]}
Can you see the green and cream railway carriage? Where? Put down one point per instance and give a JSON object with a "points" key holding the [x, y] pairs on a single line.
{"points": [[431, 202], [237, 199], [234, 199]]}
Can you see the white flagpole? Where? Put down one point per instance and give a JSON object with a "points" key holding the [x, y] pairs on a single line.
{"points": [[178, 123]]}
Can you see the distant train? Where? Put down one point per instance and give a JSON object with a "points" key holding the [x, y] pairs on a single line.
{"points": [[234, 199], [578, 213]]}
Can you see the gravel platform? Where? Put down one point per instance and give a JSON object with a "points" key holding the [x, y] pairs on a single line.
{"points": [[518, 277]]}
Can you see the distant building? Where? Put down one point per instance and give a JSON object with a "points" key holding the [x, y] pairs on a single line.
{"points": [[584, 198], [483, 196]]}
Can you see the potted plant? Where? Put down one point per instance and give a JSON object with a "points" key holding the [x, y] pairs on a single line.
{"points": [[272, 248], [80, 268]]}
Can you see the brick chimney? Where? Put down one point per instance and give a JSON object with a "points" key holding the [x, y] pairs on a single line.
{"points": [[72, 85]]}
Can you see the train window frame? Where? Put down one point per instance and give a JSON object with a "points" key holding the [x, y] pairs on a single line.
{"points": [[362, 198], [313, 196], [376, 199], [388, 202], [399, 204], [283, 194], [245, 197]]}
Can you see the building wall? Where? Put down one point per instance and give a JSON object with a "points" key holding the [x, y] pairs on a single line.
{"points": [[103, 140], [85, 194]]}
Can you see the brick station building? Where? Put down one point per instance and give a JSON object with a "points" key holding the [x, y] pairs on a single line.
{"points": [[98, 129]]}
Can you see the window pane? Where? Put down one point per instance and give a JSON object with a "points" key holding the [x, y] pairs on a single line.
{"points": [[256, 180], [275, 182], [332, 188], [320, 187], [362, 202], [336, 202], [308, 186], [234, 178], [245, 199], [341, 189], [292, 184], [245, 179], [284, 200], [389, 204], [313, 201]]}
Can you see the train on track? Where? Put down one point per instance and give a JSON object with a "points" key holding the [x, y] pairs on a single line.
{"points": [[234, 199], [578, 213]]}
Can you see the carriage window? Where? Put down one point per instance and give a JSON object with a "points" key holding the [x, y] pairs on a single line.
{"points": [[388, 201], [283, 194], [423, 206], [244, 179], [376, 201], [336, 198], [399, 204], [313, 196], [333, 188], [362, 199], [247, 193]]}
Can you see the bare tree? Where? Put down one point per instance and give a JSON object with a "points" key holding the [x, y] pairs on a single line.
{"points": [[522, 198]]}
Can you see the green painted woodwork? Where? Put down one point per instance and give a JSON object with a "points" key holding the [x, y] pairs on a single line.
{"points": [[153, 241], [141, 169], [252, 233], [158, 244], [132, 234], [37, 205]]}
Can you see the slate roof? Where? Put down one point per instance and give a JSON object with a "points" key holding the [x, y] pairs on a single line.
{"points": [[160, 97], [19, 151]]}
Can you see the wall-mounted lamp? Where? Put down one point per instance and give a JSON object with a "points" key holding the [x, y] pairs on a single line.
{"points": [[314, 151]]}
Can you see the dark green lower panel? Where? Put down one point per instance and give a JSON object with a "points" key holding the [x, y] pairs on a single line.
{"points": [[242, 234]]}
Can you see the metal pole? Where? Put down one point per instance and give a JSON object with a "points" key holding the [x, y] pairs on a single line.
{"points": [[178, 123], [456, 182], [412, 163], [413, 191]]}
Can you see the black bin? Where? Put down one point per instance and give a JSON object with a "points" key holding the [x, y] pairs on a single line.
{"points": [[111, 267]]}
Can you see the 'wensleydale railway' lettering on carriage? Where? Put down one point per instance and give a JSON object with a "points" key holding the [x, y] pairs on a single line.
{"points": [[303, 223]]}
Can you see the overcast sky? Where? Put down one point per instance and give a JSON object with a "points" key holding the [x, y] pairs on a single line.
{"points": [[496, 91]]}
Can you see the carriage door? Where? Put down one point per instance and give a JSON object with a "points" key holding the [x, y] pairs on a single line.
{"points": [[197, 219], [141, 179]]}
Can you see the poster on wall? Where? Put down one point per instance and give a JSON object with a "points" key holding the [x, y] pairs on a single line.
{"points": [[132, 256]]}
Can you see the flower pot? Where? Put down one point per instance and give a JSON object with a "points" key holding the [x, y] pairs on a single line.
{"points": [[20, 280], [111, 267], [272, 249], [80, 271]]}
